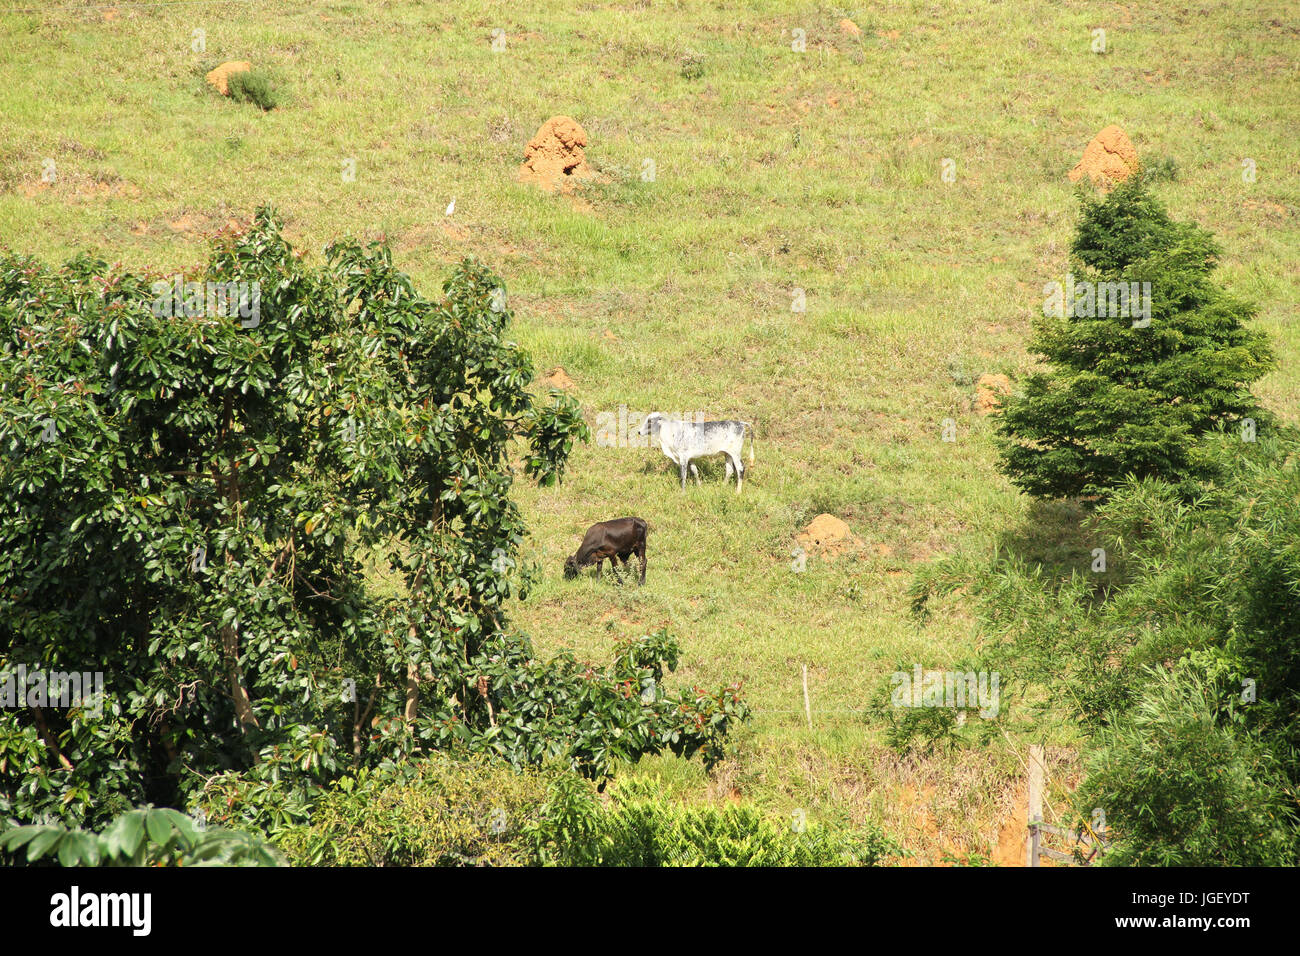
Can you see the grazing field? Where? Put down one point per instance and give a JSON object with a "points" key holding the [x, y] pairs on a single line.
{"points": [[776, 177]]}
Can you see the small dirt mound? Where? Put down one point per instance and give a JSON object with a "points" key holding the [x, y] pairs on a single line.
{"points": [[827, 535], [555, 158], [220, 77], [989, 392], [1109, 159], [558, 378], [849, 28]]}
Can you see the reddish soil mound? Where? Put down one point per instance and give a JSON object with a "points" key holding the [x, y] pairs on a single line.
{"points": [[220, 77], [555, 158], [828, 536], [1110, 158], [558, 378]]}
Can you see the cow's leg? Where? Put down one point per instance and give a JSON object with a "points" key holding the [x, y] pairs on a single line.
{"points": [[739, 467], [682, 467], [696, 472], [640, 553], [599, 562], [671, 457], [729, 469]]}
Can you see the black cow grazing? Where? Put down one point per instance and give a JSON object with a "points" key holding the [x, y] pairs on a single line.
{"points": [[617, 539]]}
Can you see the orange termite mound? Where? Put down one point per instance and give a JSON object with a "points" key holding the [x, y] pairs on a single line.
{"points": [[558, 378], [555, 158], [828, 536], [1109, 159], [220, 77]]}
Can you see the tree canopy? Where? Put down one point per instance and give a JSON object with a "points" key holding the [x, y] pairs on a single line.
{"points": [[278, 521], [1132, 391]]}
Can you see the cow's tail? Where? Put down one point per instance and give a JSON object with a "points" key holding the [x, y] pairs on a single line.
{"points": [[751, 442]]}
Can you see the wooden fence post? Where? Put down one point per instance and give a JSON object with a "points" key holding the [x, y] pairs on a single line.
{"points": [[807, 706], [1035, 803]]}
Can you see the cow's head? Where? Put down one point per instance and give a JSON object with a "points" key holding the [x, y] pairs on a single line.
{"points": [[571, 567], [650, 426]]}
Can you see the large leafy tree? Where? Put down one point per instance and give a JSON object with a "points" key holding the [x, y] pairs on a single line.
{"points": [[1120, 396], [283, 533]]}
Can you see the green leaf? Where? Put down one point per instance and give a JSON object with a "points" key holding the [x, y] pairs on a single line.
{"points": [[159, 826], [70, 850], [44, 841], [19, 836], [126, 834]]}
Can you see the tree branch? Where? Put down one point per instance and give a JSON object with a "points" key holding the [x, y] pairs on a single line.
{"points": [[49, 739]]}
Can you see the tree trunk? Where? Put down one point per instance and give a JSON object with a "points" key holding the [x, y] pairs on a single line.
{"points": [[359, 718], [235, 674], [412, 707], [229, 639], [412, 690]]}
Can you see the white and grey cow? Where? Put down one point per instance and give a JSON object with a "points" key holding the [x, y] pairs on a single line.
{"points": [[683, 440]]}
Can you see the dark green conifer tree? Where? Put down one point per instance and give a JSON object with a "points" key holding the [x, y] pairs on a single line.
{"points": [[1139, 376]]}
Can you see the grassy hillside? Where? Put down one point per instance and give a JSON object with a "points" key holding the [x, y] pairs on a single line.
{"points": [[775, 170]]}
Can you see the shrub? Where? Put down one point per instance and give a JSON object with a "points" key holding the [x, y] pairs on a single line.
{"points": [[936, 713], [1161, 169], [1187, 671], [144, 837], [920, 729], [640, 827], [443, 812], [253, 86], [434, 812], [692, 65], [1183, 783]]}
